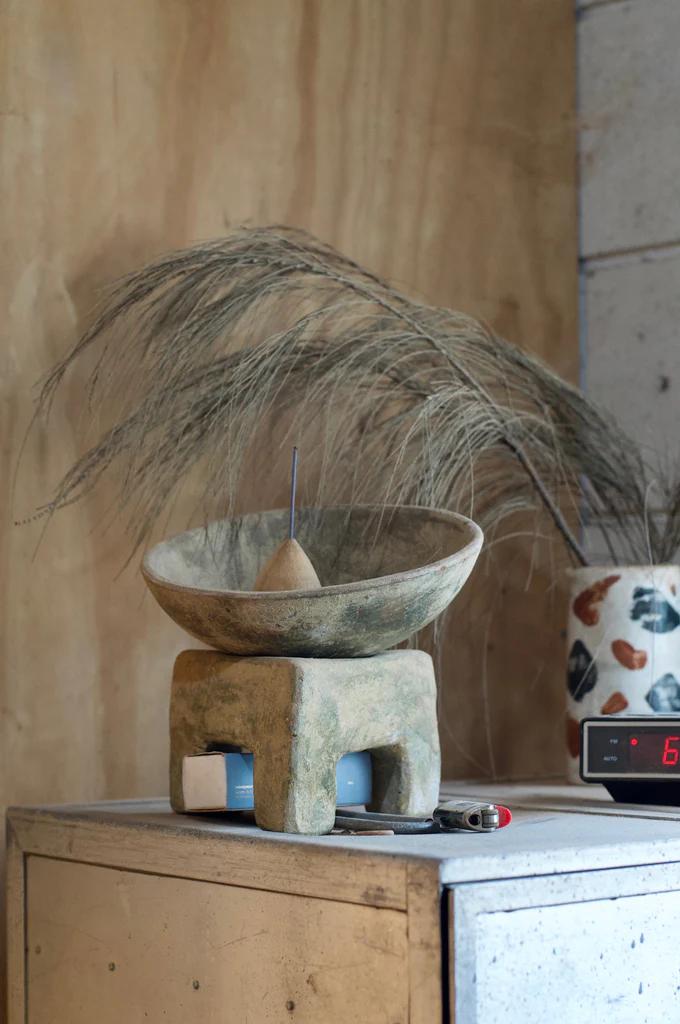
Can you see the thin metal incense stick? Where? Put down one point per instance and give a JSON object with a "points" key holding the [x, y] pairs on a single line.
{"points": [[293, 486]]}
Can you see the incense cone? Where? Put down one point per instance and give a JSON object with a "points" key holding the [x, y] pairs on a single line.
{"points": [[289, 568]]}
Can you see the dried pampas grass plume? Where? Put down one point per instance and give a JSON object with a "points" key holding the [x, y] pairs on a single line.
{"points": [[413, 404]]}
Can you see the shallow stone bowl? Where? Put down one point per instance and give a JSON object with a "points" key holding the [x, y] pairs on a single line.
{"points": [[385, 574]]}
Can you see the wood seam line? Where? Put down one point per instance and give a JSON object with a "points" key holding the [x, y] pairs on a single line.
{"points": [[633, 254], [588, 5]]}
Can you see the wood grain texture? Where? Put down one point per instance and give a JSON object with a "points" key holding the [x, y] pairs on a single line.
{"points": [[629, 85], [425, 943], [553, 854], [547, 837], [113, 946], [432, 141], [15, 894], [207, 850]]}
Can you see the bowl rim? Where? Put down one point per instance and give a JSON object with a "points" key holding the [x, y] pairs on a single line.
{"points": [[469, 550]]}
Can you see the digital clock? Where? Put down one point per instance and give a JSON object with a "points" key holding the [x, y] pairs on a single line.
{"points": [[636, 757]]}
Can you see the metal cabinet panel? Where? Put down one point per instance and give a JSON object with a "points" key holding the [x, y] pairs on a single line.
{"points": [[577, 948]]}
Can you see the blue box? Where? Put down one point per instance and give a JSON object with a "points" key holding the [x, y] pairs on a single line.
{"points": [[223, 780]]}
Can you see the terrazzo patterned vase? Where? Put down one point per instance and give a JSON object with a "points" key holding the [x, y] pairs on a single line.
{"points": [[623, 645]]}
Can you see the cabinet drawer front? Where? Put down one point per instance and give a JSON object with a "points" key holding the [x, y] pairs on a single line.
{"points": [[115, 946], [585, 961], [577, 955]]}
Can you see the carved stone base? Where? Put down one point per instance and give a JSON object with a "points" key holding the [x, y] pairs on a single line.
{"points": [[298, 716]]}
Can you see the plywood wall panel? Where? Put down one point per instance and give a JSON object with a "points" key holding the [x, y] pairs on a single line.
{"points": [[629, 85], [433, 141]]}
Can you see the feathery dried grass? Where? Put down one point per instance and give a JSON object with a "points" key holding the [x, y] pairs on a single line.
{"points": [[414, 404]]}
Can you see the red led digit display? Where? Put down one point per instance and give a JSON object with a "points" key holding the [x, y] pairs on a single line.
{"points": [[654, 751], [670, 751]]}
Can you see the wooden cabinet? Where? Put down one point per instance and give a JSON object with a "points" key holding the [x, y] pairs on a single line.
{"points": [[126, 912], [111, 945]]}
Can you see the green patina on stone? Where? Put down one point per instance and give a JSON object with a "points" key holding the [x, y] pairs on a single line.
{"points": [[298, 716], [385, 575]]}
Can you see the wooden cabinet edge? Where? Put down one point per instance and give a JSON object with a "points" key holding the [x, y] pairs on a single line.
{"points": [[400, 883], [426, 969], [349, 876], [16, 927]]}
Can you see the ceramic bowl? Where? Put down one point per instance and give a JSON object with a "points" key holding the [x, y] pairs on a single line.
{"points": [[385, 574]]}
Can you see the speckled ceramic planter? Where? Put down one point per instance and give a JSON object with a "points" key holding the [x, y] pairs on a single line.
{"points": [[623, 645]]}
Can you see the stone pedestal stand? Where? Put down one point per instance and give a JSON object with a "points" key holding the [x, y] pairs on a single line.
{"points": [[298, 716]]}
